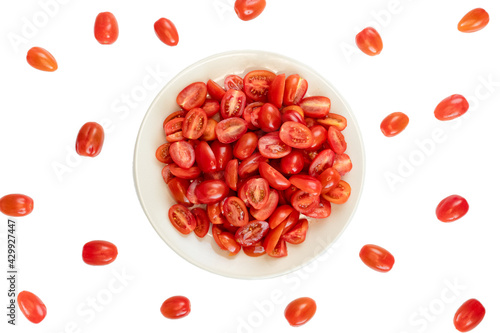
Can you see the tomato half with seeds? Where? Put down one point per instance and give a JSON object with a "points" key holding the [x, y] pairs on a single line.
{"points": [[231, 129], [31, 306], [202, 222], [338, 194], [192, 96], [272, 146], [321, 211], [162, 154], [342, 164], [257, 83], [336, 140], [182, 154], [166, 174], [329, 178], [229, 243], [474, 20], [233, 104], [249, 9], [195, 123], [303, 201], [256, 250], [233, 82], [335, 120], [296, 135], [315, 106], [106, 28], [295, 89], [214, 213], [245, 146], [16, 205], [306, 183], [175, 307], [469, 315], [394, 124], [90, 140], [451, 107], [41, 59], [211, 191], [273, 237], [377, 258], [235, 211], [280, 250], [257, 192], [452, 208], [166, 31], [173, 129], [182, 219], [250, 165], [250, 117], [297, 234], [215, 90], [99, 253], [300, 311], [321, 162], [369, 41], [173, 115], [252, 233], [190, 193], [264, 213], [273, 176]]}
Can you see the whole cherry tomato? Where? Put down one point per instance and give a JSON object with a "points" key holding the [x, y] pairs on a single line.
{"points": [[16, 205], [106, 28], [99, 253], [300, 311], [249, 9], [469, 315], [175, 307], [90, 139], [377, 258], [41, 59], [166, 31], [394, 124], [474, 20], [31, 306], [369, 41], [451, 107], [452, 208]]}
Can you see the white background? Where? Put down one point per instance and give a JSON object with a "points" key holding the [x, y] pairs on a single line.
{"points": [[425, 59]]}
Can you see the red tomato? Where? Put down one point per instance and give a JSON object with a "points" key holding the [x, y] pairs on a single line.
{"points": [[202, 222], [321, 162], [474, 20], [31, 306], [336, 140], [166, 173], [321, 211], [250, 165], [256, 250], [223, 154], [249, 9], [276, 91], [182, 219], [245, 146], [179, 189], [335, 120], [273, 176], [315, 106], [289, 114], [273, 237], [329, 179], [295, 89], [176, 307], [342, 164], [162, 154], [215, 91], [211, 191], [377, 258], [297, 234], [300, 311], [257, 83], [233, 82], [306, 183], [231, 174], [166, 31], [269, 118], [205, 157], [252, 233], [291, 221], [90, 139], [211, 107], [338, 194], [233, 104], [469, 315], [16, 205], [452, 208], [296, 135], [271, 146], [229, 243], [264, 213], [319, 135], [209, 134], [216, 231], [304, 202], [189, 173], [231, 129], [279, 215], [41, 59], [250, 118], [182, 154], [194, 123], [235, 211], [369, 41], [451, 107], [394, 124], [193, 96], [173, 129], [99, 252], [106, 28], [279, 250], [293, 163], [214, 213], [257, 192], [190, 194], [173, 115]]}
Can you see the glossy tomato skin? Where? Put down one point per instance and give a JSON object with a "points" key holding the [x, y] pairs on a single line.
{"points": [[99, 253], [452, 208], [192, 96], [279, 215], [474, 20], [106, 28], [271, 146], [300, 311], [205, 157], [233, 104], [394, 124], [321, 211], [377, 258], [209, 134], [235, 211], [250, 165], [369, 41], [229, 243], [231, 174], [252, 233], [295, 89], [166, 31], [179, 188], [190, 194], [182, 219], [41, 59], [90, 140], [189, 173], [321, 162], [223, 154], [16, 205], [249, 9], [211, 191], [31, 306], [307, 183], [256, 250], [273, 177], [277, 90], [319, 134], [175, 307], [336, 140], [293, 163], [315, 106], [329, 179], [182, 154], [245, 146], [257, 83], [264, 213], [451, 107], [215, 90], [469, 315]]}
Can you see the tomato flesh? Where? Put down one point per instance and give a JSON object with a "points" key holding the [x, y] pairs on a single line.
{"points": [[182, 219], [257, 192], [264, 213], [452, 208], [377, 258], [179, 188], [252, 233], [235, 211], [193, 96], [231, 129], [182, 154], [233, 104], [295, 89], [194, 124], [257, 83], [315, 106], [31, 306], [99, 253], [307, 183], [338, 194], [296, 135], [271, 146]]}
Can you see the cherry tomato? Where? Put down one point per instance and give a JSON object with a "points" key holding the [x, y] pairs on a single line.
{"points": [[41, 59], [335, 120], [233, 82], [231, 129], [231, 174], [99, 252], [295, 89], [182, 154], [342, 164], [279, 250], [179, 189], [252, 233], [235, 211], [189, 173], [215, 91], [304, 202], [329, 179], [202, 222], [205, 157], [264, 213], [276, 91], [233, 104], [223, 154], [162, 154], [315, 106], [269, 118], [369, 41], [377, 258], [469, 315], [338, 194], [216, 232], [452, 208], [211, 107], [296, 135], [271, 146], [106, 28], [173, 115], [293, 163], [451, 107], [166, 173], [319, 135], [214, 213], [256, 250], [31, 306], [306, 183], [249, 9], [245, 146], [321, 211], [166, 31], [257, 192], [474, 20], [193, 96], [229, 243], [190, 193], [300, 311], [321, 162], [297, 234], [16, 205], [173, 129], [182, 219], [279, 215], [273, 176], [394, 124], [90, 139], [195, 123], [257, 83], [273, 237], [336, 140], [209, 134], [250, 117], [211, 191], [250, 165], [175, 307], [290, 114]]}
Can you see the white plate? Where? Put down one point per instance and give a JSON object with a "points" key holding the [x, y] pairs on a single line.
{"points": [[156, 199]]}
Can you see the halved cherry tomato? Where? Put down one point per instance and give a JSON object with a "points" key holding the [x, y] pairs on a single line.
{"points": [[233, 82], [245, 146], [31, 306], [189, 173], [99, 253], [394, 124], [300, 311], [231, 174], [209, 134], [211, 191], [90, 140], [182, 154], [202, 222], [273, 237], [162, 154], [231, 129], [16, 205], [306, 183], [329, 179], [106, 28], [315, 106], [182, 219], [193, 96], [469, 315], [256, 250], [211, 107], [173, 115], [257, 192], [279, 250], [342, 164], [41, 59], [264, 213], [232, 104], [290, 114], [297, 234], [190, 193], [338, 194], [451, 107], [296, 135], [377, 258], [273, 176], [452, 208], [195, 123], [250, 165], [321, 162], [252, 233], [248, 115], [179, 188], [336, 140], [269, 118], [249, 9], [167, 174], [369, 41], [173, 129], [215, 91], [229, 243], [474, 20], [293, 163], [279, 215], [257, 83], [166, 31], [291, 221], [272, 146], [176, 307], [205, 157], [216, 231], [335, 120], [303, 201], [235, 211], [223, 154], [277, 90], [321, 211], [319, 135], [214, 213], [295, 89]]}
